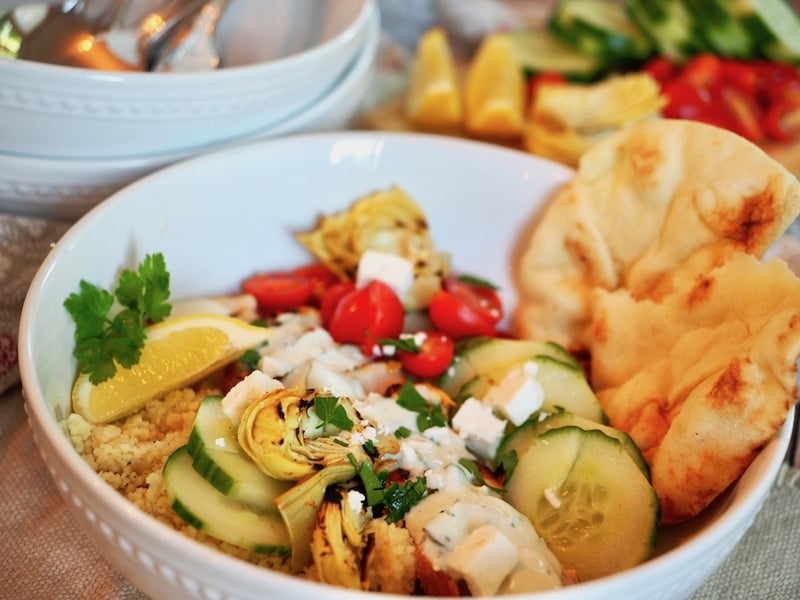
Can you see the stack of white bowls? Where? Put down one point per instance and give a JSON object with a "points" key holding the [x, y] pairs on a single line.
{"points": [[72, 136]]}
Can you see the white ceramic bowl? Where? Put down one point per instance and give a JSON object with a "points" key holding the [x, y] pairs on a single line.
{"points": [[253, 198], [281, 57], [67, 188]]}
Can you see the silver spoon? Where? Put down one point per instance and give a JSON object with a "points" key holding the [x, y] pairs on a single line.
{"points": [[137, 44], [65, 36], [193, 45]]}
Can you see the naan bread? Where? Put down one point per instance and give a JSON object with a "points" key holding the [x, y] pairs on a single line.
{"points": [[702, 378], [650, 260], [660, 196]]}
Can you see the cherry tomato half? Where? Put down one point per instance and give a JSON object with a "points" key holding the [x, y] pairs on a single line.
{"points": [[330, 299], [461, 309], [433, 357], [321, 278], [661, 68], [364, 315], [275, 292]]}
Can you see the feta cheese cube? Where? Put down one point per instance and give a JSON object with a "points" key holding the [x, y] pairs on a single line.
{"points": [[445, 529], [480, 429], [484, 558], [518, 395], [391, 269], [248, 390]]}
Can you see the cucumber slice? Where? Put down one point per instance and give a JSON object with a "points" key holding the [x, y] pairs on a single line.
{"points": [[670, 27], [588, 500], [205, 508], [539, 51], [483, 362], [564, 385], [219, 459], [517, 442], [565, 419], [478, 355], [599, 27], [774, 26], [723, 32]]}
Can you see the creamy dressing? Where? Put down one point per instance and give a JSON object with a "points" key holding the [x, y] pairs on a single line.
{"points": [[511, 559]]}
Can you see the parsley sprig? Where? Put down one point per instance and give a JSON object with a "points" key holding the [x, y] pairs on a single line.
{"points": [[109, 328], [330, 411], [394, 499], [428, 414], [477, 281], [403, 343]]}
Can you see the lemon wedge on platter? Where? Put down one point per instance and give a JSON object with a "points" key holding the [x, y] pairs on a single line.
{"points": [[434, 97], [177, 352], [495, 89]]}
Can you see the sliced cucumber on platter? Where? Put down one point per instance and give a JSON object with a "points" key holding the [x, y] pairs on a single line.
{"points": [[773, 25], [669, 25], [722, 30], [588, 500], [539, 51], [601, 28], [218, 458], [207, 509]]}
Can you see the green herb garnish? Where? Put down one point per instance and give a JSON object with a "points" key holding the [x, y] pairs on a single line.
{"points": [[428, 414], [370, 449], [477, 281], [331, 412], [250, 358], [101, 339], [404, 344], [508, 462], [477, 475], [396, 499]]}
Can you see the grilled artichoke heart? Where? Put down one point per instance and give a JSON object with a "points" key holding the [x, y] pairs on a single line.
{"points": [[287, 440], [386, 221], [337, 544], [352, 549], [567, 119]]}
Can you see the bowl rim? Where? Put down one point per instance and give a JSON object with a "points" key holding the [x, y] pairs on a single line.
{"points": [[172, 542], [109, 79]]}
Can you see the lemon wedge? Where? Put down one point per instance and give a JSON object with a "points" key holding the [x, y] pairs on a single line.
{"points": [[177, 352], [434, 97], [495, 89]]}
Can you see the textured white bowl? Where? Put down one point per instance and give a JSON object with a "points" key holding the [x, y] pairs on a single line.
{"points": [[253, 198], [283, 56], [67, 188]]}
